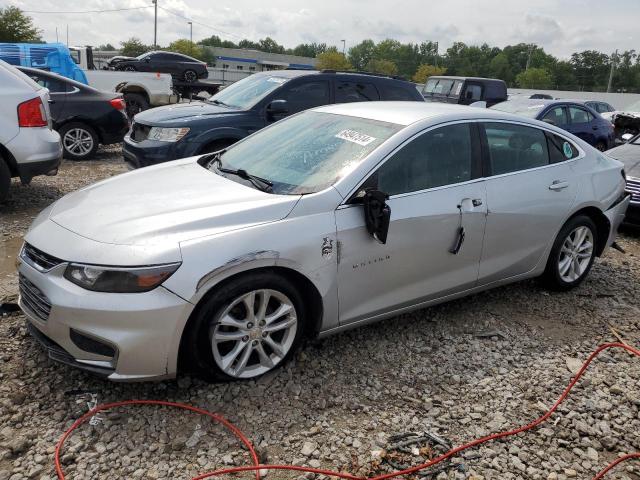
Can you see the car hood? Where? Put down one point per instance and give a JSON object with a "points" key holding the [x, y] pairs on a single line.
{"points": [[182, 111], [170, 202], [629, 155]]}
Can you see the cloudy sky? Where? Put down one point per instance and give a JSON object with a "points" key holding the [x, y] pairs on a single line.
{"points": [[560, 26]]}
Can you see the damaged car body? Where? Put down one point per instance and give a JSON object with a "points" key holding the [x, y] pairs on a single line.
{"points": [[290, 232]]}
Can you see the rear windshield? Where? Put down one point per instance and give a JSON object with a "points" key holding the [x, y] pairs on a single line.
{"points": [[524, 109]]}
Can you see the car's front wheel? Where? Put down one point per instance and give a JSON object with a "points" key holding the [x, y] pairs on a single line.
{"points": [[249, 327], [572, 255], [190, 76]]}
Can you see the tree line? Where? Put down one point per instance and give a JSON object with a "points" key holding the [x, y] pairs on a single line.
{"points": [[523, 65]]}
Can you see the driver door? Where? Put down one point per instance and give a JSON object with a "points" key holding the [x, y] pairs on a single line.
{"points": [[435, 190], [301, 96]]}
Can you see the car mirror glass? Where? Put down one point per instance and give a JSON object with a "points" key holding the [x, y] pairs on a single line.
{"points": [[278, 107]]}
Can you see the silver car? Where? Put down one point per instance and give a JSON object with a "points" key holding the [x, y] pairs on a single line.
{"points": [[333, 218]]}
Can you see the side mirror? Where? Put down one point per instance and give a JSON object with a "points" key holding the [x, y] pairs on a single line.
{"points": [[147, 59], [377, 214], [278, 107]]}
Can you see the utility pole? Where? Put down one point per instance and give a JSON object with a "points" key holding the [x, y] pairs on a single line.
{"points": [[614, 59], [437, 48], [67, 34], [190, 32], [344, 44], [155, 23], [57, 35], [531, 47]]}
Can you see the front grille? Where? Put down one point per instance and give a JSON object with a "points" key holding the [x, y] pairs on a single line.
{"points": [[38, 259], [633, 187], [139, 132], [32, 298]]}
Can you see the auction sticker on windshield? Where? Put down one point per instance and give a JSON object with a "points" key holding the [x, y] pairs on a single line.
{"points": [[276, 80], [355, 137]]}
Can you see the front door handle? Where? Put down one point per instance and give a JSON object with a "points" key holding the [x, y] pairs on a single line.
{"points": [[558, 185]]}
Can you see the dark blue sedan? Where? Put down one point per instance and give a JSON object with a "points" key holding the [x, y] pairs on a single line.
{"points": [[570, 115]]}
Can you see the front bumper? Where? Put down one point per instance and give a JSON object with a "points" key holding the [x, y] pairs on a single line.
{"points": [[151, 152], [142, 330]]}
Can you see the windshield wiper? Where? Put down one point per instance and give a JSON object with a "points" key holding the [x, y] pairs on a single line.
{"points": [[218, 102], [260, 183]]}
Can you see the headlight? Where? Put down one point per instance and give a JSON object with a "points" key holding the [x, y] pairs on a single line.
{"points": [[119, 280], [167, 134]]}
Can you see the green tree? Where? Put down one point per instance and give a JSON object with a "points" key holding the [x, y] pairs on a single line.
{"points": [[591, 69], [269, 45], [187, 47], [425, 71], [534, 78], [216, 41], [134, 47], [333, 60], [385, 67], [564, 77], [499, 67], [361, 54], [248, 44], [106, 47], [15, 26], [311, 50]]}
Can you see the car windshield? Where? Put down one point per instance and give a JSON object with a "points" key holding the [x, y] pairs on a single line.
{"points": [[439, 86], [308, 152], [142, 56], [249, 91], [524, 109]]}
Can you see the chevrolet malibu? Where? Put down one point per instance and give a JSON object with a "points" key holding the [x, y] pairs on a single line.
{"points": [[333, 218]]}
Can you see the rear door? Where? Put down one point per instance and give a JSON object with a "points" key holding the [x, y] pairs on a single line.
{"points": [[472, 92], [530, 190], [582, 124], [58, 90]]}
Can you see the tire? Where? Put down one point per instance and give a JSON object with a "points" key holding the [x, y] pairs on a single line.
{"points": [[190, 76], [129, 68], [254, 342], [601, 146], [560, 275], [135, 103], [5, 180], [79, 141]]}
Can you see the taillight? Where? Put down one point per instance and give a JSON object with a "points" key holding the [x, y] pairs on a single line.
{"points": [[32, 114], [118, 104]]}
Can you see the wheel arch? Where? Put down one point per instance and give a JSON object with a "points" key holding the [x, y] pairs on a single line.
{"points": [[602, 224], [84, 120], [133, 88], [217, 135], [309, 292], [9, 159]]}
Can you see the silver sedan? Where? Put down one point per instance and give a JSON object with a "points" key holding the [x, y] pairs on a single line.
{"points": [[330, 219]]}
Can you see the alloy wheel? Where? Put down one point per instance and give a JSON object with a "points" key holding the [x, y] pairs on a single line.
{"points": [[190, 76], [253, 333], [575, 254], [78, 142]]}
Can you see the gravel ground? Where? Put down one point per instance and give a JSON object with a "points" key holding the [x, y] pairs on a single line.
{"points": [[473, 366]]}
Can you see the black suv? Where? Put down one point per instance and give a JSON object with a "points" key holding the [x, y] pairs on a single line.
{"points": [[181, 67], [187, 129], [465, 90]]}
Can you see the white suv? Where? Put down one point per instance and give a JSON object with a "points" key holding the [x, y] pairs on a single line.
{"points": [[28, 144]]}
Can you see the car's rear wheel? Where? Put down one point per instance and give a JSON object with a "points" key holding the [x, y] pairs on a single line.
{"points": [[572, 255], [135, 103], [5, 180], [79, 141], [129, 68], [249, 327], [190, 76]]}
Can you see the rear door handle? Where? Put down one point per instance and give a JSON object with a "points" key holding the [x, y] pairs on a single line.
{"points": [[558, 185]]}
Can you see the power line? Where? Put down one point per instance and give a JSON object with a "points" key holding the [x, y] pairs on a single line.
{"points": [[90, 11], [199, 23]]}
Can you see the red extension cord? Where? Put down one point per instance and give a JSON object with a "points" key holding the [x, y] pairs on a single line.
{"points": [[256, 463]]}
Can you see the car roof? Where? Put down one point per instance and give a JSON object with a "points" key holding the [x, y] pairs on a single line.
{"points": [[406, 113], [547, 102], [479, 79], [300, 73], [57, 76]]}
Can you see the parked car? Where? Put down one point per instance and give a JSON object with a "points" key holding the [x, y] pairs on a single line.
{"points": [[571, 115], [181, 67], [28, 144], [600, 107], [465, 90], [626, 122], [84, 116], [629, 155], [330, 219], [186, 129]]}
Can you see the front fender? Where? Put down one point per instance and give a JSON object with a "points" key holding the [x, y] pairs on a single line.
{"points": [[212, 135]]}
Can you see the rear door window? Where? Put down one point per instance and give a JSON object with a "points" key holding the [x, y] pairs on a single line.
{"points": [[473, 92], [347, 92], [556, 116], [53, 84], [560, 149], [579, 115], [513, 148], [394, 92]]}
